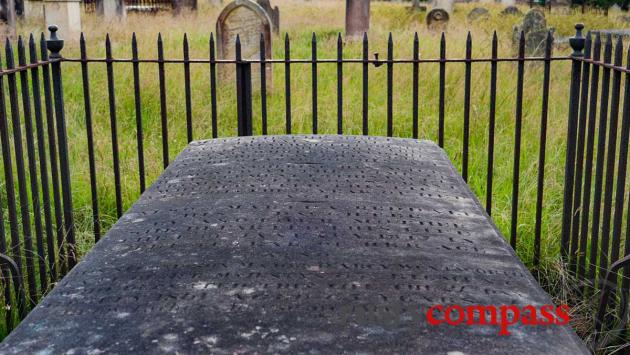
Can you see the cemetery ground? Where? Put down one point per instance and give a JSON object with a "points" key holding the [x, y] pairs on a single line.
{"points": [[326, 19]]}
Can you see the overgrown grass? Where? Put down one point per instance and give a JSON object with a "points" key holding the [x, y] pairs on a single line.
{"points": [[326, 18]]}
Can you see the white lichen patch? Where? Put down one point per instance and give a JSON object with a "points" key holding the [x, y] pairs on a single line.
{"points": [[122, 315]]}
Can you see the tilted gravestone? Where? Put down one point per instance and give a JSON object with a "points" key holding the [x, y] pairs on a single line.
{"points": [[478, 13], [247, 20], [534, 27], [274, 14], [511, 10]]}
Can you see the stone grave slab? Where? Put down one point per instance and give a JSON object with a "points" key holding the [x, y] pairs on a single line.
{"points": [[294, 244]]}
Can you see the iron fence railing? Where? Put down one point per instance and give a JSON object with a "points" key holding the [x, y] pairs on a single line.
{"points": [[591, 240]]}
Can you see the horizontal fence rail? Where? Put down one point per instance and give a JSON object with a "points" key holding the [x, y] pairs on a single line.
{"points": [[47, 222]]}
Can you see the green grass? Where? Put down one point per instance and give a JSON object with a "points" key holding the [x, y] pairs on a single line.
{"points": [[325, 18]]}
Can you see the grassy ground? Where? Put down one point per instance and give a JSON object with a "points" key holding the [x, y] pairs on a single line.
{"points": [[326, 18]]}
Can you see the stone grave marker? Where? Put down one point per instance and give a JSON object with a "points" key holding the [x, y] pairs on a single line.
{"points": [[511, 11], [534, 26], [7, 19], [357, 17], [111, 9], [478, 13], [66, 14], [274, 14], [438, 17], [248, 20]]}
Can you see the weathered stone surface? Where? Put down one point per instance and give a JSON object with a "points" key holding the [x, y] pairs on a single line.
{"points": [[248, 20], [534, 27], [511, 10], [357, 17], [273, 12], [437, 20], [478, 13], [66, 14], [290, 244]]}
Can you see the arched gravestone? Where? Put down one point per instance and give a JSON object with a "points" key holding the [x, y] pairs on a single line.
{"points": [[248, 20], [291, 244]]}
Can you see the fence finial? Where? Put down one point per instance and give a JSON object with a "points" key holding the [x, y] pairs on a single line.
{"points": [[577, 41], [54, 43]]}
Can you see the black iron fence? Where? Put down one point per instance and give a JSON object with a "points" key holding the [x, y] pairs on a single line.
{"points": [[41, 218]]}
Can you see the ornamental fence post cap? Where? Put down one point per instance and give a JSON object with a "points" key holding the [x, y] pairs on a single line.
{"points": [[577, 42], [54, 43]]}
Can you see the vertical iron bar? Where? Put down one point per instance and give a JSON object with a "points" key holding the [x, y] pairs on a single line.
{"points": [[287, 81], [416, 65], [588, 171], [467, 107], [243, 93], [491, 123], [580, 157], [517, 140], [138, 105], [213, 86], [625, 133], [365, 84], [22, 188], [39, 124], [90, 139], [314, 80], [390, 86], [113, 124], [189, 123], [577, 43], [339, 84], [442, 84], [163, 111], [52, 148], [263, 84], [32, 170], [9, 183], [55, 45], [543, 147], [610, 163], [601, 150]]}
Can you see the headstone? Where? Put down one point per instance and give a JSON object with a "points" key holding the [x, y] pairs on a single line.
{"points": [[357, 17], [179, 5], [511, 11], [274, 14], [534, 26], [34, 9], [248, 20], [66, 14], [508, 3], [437, 19], [7, 19], [478, 13], [111, 9]]}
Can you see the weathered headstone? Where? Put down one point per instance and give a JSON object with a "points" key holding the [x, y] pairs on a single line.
{"points": [[111, 9], [34, 9], [247, 20], [437, 19], [478, 13], [357, 17], [534, 26], [66, 14], [511, 11], [7, 19], [274, 14]]}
